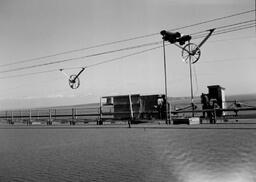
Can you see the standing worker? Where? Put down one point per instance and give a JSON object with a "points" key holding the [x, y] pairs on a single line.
{"points": [[214, 106], [205, 103]]}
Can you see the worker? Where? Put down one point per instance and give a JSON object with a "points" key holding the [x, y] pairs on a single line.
{"points": [[205, 103], [214, 106]]}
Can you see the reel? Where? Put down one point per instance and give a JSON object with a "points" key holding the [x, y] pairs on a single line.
{"points": [[191, 51], [73, 80]]}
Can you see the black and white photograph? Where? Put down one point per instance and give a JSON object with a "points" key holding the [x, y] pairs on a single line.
{"points": [[128, 90]]}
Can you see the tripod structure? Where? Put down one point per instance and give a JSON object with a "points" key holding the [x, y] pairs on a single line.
{"points": [[190, 53]]}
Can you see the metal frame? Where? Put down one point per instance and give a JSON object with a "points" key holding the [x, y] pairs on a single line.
{"points": [[73, 80], [192, 53]]}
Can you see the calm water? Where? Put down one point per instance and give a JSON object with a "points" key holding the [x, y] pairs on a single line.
{"points": [[121, 154]]}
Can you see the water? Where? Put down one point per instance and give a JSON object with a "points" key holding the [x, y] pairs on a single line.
{"points": [[121, 154]]}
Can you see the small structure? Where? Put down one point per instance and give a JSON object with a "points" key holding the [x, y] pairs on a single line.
{"points": [[126, 106], [188, 121], [134, 106], [216, 92]]}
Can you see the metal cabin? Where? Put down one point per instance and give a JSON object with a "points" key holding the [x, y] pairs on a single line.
{"points": [[218, 93], [134, 106]]}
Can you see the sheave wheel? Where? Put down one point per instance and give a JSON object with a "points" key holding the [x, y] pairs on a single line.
{"points": [[74, 82], [191, 50]]}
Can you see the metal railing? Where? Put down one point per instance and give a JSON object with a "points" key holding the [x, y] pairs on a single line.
{"points": [[98, 116]]}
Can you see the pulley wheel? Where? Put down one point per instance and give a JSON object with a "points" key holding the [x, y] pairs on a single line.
{"points": [[191, 51], [74, 82]]}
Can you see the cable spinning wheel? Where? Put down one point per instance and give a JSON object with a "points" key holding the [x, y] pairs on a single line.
{"points": [[191, 52], [74, 81]]}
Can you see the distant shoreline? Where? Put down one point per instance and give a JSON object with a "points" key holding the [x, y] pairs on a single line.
{"points": [[174, 100]]}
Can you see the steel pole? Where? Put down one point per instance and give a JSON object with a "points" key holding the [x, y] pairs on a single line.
{"points": [[50, 117], [191, 84], [168, 117], [30, 117], [100, 110]]}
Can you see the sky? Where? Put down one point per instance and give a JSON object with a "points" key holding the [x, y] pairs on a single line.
{"points": [[38, 28]]}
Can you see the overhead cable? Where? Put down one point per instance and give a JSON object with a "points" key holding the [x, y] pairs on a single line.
{"points": [[80, 57], [218, 32], [125, 40], [89, 66]]}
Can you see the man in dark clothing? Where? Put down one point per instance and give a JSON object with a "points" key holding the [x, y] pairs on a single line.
{"points": [[205, 103], [214, 106]]}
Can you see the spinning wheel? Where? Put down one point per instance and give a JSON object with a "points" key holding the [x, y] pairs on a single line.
{"points": [[191, 51], [74, 81]]}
